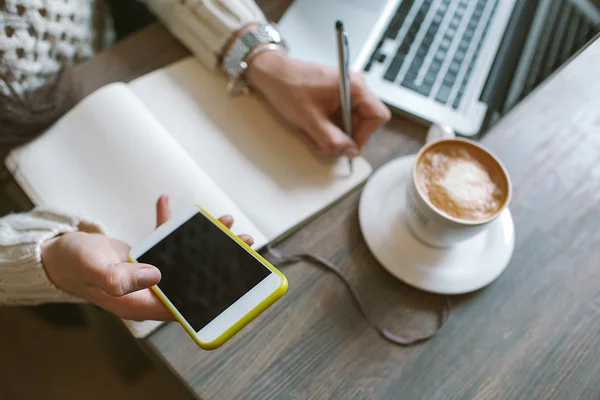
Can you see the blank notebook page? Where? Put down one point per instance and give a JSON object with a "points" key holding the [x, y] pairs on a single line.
{"points": [[263, 167], [109, 160]]}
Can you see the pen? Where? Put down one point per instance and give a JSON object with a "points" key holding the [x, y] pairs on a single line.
{"points": [[343, 55]]}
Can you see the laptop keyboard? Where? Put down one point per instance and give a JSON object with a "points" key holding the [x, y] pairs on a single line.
{"points": [[437, 43]]}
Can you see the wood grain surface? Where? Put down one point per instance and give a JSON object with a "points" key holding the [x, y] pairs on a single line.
{"points": [[532, 334]]}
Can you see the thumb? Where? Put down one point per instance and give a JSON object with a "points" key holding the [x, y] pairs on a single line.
{"points": [[124, 278]]}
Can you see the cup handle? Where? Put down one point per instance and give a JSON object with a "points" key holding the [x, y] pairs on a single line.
{"points": [[439, 131]]}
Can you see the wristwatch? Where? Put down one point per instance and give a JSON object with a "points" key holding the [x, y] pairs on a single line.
{"points": [[235, 61]]}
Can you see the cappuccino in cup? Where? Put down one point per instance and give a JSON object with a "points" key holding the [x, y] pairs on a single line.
{"points": [[457, 188], [461, 181]]}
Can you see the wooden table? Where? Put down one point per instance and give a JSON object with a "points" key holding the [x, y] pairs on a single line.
{"points": [[532, 334]]}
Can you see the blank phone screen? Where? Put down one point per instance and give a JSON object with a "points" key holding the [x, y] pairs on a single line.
{"points": [[204, 271]]}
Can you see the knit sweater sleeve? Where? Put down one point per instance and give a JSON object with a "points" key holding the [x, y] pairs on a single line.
{"points": [[23, 280], [204, 26]]}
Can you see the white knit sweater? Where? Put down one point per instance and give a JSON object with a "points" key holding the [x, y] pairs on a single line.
{"points": [[37, 39]]}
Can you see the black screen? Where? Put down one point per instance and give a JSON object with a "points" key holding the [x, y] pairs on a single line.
{"points": [[204, 271]]}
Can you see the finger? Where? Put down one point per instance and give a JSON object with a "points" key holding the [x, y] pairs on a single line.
{"points": [[247, 239], [163, 211], [365, 129], [371, 112], [355, 122], [357, 77], [330, 139], [227, 220], [314, 147], [138, 306], [121, 279]]}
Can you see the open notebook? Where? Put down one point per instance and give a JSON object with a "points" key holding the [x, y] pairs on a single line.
{"points": [[176, 131]]}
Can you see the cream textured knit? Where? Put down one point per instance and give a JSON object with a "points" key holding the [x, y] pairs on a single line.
{"points": [[23, 279], [38, 37]]}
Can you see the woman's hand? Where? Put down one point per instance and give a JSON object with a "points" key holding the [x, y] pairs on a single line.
{"points": [[95, 268], [307, 96]]}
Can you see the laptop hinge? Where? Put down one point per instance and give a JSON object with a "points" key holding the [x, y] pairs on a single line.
{"points": [[507, 58]]}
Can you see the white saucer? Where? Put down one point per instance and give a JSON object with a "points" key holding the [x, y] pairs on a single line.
{"points": [[463, 268]]}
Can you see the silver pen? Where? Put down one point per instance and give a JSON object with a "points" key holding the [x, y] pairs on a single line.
{"points": [[345, 102]]}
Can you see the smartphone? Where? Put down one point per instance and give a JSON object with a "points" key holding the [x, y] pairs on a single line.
{"points": [[212, 282]]}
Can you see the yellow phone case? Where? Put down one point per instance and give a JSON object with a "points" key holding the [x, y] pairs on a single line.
{"points": [[246, 319]]}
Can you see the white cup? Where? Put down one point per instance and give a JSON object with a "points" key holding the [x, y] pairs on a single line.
{"points": [[432, 226]]}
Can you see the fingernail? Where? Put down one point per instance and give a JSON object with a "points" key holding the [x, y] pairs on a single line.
{"points": [[146, 277], [351, 152]]}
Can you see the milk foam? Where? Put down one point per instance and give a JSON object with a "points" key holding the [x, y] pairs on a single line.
{"points": [[468, 184], [459, 184]]}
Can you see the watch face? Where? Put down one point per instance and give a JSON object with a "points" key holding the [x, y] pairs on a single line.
{"points": [[243, 45], [273, 33]]}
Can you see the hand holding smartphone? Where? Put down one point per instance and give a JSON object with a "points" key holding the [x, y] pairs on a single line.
{"points": [[212, 282]]}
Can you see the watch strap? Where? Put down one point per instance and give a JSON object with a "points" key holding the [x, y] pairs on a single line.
{"points": [[237, 84], [233, 60]]}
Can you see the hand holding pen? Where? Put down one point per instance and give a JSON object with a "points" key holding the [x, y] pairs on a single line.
{"points": [[307, 97]]}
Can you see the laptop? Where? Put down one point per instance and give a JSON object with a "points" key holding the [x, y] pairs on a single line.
{"points": [[456, 62]]}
